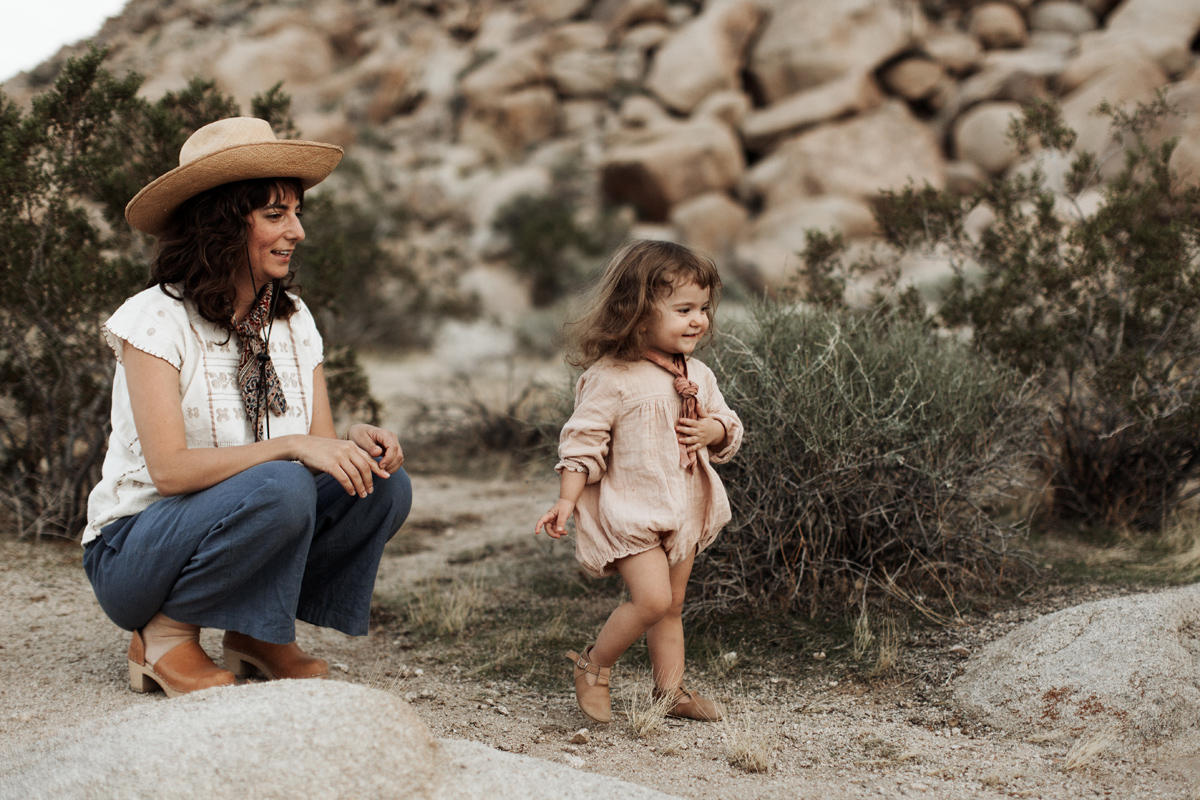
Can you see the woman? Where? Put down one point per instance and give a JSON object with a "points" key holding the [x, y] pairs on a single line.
{"points": [[227, 500]]}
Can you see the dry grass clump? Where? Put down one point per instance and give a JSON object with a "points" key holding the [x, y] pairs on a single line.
{"points": [[644, 712], [446, 608], [1088, 748], [750, 743], [878, 641]]}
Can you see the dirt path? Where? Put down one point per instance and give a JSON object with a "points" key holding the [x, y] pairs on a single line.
{"points": [[825, 732]]}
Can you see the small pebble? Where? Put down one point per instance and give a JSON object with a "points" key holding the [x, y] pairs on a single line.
{"points": [[580, 737]]}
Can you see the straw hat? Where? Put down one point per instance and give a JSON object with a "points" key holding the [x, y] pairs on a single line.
{"points": [[228, 150]]}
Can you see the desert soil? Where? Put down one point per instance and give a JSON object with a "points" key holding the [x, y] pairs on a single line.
{"points": [[827, 730]]}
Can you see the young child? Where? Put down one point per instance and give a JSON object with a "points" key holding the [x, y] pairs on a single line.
{"points": [[635, 460]]}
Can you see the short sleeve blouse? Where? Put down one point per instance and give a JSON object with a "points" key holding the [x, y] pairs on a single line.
{"points": [[214, 414]]}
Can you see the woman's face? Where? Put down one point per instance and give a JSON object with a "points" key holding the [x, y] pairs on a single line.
{"points": [[275, 230]]}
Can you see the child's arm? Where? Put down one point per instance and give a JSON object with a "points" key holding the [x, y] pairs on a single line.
{"points": [[571, 485]]}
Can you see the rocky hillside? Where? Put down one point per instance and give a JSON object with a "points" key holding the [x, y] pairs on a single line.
{"points": [[731, 125]]}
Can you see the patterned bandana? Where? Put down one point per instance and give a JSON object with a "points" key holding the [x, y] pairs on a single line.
{"points": [[255, 368], [677, 366]]}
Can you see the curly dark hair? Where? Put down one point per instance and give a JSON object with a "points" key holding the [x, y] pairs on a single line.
{"points": [[200, 253], [622, 304]]}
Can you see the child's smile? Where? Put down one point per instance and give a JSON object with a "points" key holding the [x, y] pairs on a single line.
{"points": [[682, 320]]}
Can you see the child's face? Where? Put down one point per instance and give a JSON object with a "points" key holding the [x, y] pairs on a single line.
{"points": [[682, 320]]}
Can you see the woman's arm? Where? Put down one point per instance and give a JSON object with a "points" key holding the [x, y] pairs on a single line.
{"points": [[376, 442], [177, 469]]}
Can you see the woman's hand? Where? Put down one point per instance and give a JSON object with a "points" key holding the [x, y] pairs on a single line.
{"points": [[350, 465], [555, 520], [700, 433], [378, 443]]}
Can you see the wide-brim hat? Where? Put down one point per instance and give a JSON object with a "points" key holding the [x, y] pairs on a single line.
{"points": [[234, 149]]}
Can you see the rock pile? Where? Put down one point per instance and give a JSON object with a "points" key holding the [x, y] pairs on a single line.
{"points": [[731, 125]]}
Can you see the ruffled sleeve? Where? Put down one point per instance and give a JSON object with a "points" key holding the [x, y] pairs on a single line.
{"points": [[152, 322], [716, 408], [583, 445]]}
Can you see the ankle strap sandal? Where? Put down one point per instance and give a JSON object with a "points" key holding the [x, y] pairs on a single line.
{"points": [[592, 696]]}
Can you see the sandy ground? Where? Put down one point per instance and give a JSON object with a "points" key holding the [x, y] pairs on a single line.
{"points": [[826, 733]]}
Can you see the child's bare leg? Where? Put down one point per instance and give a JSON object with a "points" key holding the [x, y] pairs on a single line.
{"points": [[647, 575], [665, 637]]}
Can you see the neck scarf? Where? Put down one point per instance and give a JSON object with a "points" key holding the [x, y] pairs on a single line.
{"points": [[687, 389], [254, 367]]}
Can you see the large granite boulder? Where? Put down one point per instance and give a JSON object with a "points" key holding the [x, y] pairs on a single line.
{"points": [[669, 162], [806, 44], [706, 55], [314, 739], [1128, 665], [885, 149]]}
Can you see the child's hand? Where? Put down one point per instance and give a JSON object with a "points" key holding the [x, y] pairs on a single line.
{"points": [[555, 520], [700, 433]]}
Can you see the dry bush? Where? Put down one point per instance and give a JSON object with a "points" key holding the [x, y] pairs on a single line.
{"points": [[644, 712], [876, 458], [750, 743], [446, 608], [521, 425], [1088, 748]]}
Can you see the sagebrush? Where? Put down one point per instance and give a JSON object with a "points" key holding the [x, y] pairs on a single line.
{"points": [[876, 459]]}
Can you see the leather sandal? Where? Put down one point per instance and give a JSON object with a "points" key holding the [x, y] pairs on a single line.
{"points": [[687, 704], [592, 695], [182, 669], [246, 656]]}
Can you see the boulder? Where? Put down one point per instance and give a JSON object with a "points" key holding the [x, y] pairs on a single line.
{"points": [[668, 163], [915, 78], [584, 73], [315, 739], [806, 44], [1122, 84], [515, 67], [958, 52], [1062, 16], [998, 25], [1130, 665], [981, 136], [706, 55], [621, 14], [1160, 30], [771, 244], [710, 223], [508, 124], [296, 55], [556, 10], [851, 94], [729, 107], [858, 158], [640, 111]]}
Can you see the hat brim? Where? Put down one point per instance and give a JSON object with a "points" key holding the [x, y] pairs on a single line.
{"points": [[310, 162]]}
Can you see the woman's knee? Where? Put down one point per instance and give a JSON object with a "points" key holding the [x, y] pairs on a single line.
{"points": [[286, 491], [397, 492]]}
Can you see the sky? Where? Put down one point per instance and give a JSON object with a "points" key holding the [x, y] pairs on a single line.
{"points": [[33, 30]]}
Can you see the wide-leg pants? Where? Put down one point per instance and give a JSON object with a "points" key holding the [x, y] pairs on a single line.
{"points": [[252, 554]]}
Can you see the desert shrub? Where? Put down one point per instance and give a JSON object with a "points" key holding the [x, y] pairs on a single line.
{"points": [[875, 458], [67, 260], [552, 241], [1101, 306], [479, 430]]}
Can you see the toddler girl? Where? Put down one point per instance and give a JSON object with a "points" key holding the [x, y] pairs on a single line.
{"points": [[635, 460]]}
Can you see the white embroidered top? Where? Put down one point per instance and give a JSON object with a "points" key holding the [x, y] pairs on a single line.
{"points": [[213, 411]]}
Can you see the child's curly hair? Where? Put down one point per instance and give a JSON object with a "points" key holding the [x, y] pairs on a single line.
{"points": [[622, 304]]}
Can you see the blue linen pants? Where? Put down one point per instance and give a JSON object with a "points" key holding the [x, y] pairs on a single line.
{"points": [[252, 554]]}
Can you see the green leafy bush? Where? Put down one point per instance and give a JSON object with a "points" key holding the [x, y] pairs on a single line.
{"points": [[68, 259], [1101, 306], [875, 458]]}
